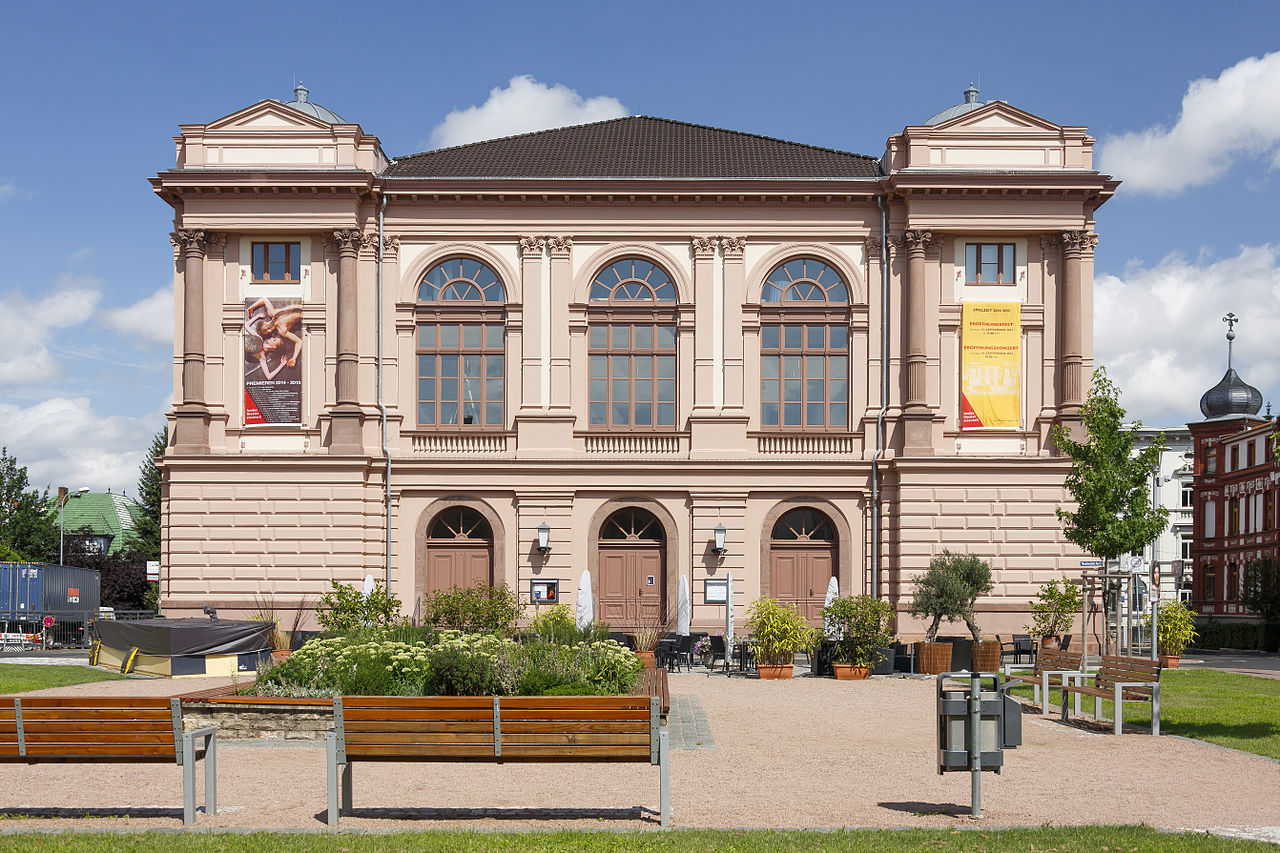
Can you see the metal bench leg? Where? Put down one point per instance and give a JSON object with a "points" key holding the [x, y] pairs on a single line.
{"points": [[664, 775], [1117, 709], [211, 775], [1044, 705], [331, 763], [1097, 708], [1155, 711], [1035, 698], [188, 780], [346, 788], [1079, 679]]}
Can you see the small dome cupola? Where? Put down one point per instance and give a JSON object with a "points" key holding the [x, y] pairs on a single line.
{"points": [[970, 104], [1232, 396], [302, 105]]}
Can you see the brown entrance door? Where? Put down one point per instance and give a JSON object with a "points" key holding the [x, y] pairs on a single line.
{"points": [[632, 571], [800, 577], [459, 551]]}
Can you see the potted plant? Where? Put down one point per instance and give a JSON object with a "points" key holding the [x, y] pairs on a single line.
{"points": [[702, 648], [948, 591], [1175, 630], [1055, 607], [862, 625], [779, 631]]}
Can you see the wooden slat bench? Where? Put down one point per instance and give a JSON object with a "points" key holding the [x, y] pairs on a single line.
{"points": [[36, 729], [1120, 679], [494, 729], [1053, 667]]}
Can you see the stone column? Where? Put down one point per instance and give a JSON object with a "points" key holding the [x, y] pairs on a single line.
{"points": [[1072, 381], [917, 415], [191, 430], [561, 287], [704, 259], [535, 306], [345, 417], [735, 293]]}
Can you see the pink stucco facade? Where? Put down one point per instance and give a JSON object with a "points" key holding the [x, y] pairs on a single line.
{"points": [[253, 509]]}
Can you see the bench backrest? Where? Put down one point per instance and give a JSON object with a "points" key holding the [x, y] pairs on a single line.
{"points": [[1117, 669], [1051, 660], [497, 728], [83, 728]]}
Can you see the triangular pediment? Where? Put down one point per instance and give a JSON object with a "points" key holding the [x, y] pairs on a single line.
{"points": [[268, 116], [998, 117]]}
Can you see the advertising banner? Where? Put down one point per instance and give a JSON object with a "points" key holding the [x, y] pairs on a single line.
{"points": [[990, 365], [272, 361]]}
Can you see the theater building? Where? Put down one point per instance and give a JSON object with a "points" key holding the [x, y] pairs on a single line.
{"points": [[679, 351]]}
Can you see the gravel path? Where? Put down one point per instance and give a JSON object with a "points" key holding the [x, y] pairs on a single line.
{"points": [[801, 753]]}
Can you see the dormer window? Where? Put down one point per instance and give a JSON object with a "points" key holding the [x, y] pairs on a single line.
{"points": [[989, 263], [277, 263]]}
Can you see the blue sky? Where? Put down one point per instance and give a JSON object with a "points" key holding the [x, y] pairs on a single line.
{"points": [[94, 93]]}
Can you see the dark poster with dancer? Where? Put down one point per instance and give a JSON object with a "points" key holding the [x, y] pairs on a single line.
{"points": [[272, 361]]}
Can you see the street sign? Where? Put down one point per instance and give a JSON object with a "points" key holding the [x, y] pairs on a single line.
{"points": [[1090, 564], [153, 570]]}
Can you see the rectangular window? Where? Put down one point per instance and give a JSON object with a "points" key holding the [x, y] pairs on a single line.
{"points": [[1248, 455], [804, 376], [631, 376], [1210, 591], [1233, 517], [1185, 545], [1188, 495], [1211, 461], [1210, 519], [277, 262], [460, 375], [989, 263], [1235, 458]]}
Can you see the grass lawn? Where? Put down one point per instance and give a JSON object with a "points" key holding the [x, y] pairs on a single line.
{"points": [[1089, 839], [1226, 708], [21, 677]]}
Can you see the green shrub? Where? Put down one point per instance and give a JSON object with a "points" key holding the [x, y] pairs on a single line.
{"points": [[779, 631], [1175, 628], [570, 690], [558, 624], [453, 671], [479, 609], [949, 589], [863, 623], [345, 609], [1213, 634], [1055, 607]]}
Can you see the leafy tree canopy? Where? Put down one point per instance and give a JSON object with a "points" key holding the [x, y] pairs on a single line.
{"points": [[145, 536], [1261, 588], [28, 531], [1110, 483]]}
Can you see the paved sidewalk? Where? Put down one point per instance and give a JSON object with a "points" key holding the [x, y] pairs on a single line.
{"points": [[1261, 664], [687, 723]]}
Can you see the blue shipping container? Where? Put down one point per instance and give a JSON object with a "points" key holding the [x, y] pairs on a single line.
{"points": [[44, 587]]}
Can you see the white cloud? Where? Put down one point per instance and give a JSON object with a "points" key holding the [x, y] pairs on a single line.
{"points": [[150, 318], [9, 190], [1237, 113], [1158, 331], [33, 327], [62, 441], [524, 105]]}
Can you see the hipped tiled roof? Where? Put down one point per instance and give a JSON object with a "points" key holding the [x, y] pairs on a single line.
{"points": [[637, 147]]}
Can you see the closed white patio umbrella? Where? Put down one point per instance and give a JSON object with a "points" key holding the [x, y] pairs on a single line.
{"points": [[829, 631], [585, 611], [684, 609]]}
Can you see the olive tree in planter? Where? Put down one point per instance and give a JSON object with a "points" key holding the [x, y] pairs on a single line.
{"points": [[1175, 630], [1055, 607], [863, 624], [778, 632], [948, 591]]}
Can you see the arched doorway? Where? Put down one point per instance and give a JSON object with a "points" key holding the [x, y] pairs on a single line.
{"points": [[802, 561], [632, 569], [459, 551]]}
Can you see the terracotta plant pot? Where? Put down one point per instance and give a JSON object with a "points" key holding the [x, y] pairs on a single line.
{"points": [[986, 656], [934, 658], [647, 659], [782, 670], [849, 672], [278, 655], [1170, 661], [1049, 642]]}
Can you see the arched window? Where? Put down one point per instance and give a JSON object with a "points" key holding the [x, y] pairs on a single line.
{"points": [[632, 348], [804, 347], [460, 348], [804, 525], [460, 524]]}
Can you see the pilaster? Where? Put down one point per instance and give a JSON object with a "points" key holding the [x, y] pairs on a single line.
{"points": [[561, 289], [346, 419], [917, 417], [191, 427], [704, 259], [735, 293]]}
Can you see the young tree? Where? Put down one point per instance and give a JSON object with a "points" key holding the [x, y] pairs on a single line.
{"points": [[145, 536], [27, 529], [1111, 484], [1260, 588]]}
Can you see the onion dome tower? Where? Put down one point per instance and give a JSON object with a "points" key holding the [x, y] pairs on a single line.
{"points": [[301, 104], [1232, 396]]}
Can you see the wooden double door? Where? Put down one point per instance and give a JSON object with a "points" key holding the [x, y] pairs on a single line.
{"points": [[458, 565], [799, 575], [632, 584]]}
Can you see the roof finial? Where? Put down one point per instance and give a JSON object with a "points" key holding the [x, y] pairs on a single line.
{"points": [[971, 94], [1230, 320], [300, 93]]}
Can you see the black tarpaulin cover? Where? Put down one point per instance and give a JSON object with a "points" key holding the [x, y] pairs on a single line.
{"points": [[173, 637]]}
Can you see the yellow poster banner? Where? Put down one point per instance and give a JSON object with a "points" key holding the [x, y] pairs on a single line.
{"points": [[990, 365]]}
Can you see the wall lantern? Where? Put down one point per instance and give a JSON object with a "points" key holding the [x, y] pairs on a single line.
{"points": [[719, 533], [544, 539]]}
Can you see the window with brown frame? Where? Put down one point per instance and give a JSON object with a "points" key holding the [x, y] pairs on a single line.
{"points": [[989, 263], [1210, 578], [631, 348], [275, 263], [1248, 455], [461, 352], [1233, 520], [1268, 510], [804, 348], [1235, 457]]}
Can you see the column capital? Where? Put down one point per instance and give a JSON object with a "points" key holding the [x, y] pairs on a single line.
{"points": [[347, 240], [532, 246], [189, 240], [873, 247], [1049, 242], [703, 247], [391, 246], [1078, 243], [733, 246], [917, 241], [560, 246]]}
